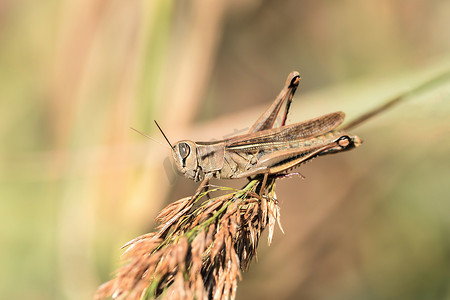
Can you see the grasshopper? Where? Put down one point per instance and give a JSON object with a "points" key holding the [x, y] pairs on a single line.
{"points": [[264, 150]]}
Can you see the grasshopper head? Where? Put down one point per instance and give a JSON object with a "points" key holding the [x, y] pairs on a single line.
{"points": [[185, 156]]}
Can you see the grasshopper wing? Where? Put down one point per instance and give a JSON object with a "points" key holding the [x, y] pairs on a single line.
{"points": [[269, 138]]}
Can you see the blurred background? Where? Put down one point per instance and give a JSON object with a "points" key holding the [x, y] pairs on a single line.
{"points": [[76, 183]]}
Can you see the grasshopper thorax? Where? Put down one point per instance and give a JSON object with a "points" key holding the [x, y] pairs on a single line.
{"points": [[185, 156]]}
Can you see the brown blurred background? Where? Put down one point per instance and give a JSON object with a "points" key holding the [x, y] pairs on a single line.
{"points": [[76, 183]]}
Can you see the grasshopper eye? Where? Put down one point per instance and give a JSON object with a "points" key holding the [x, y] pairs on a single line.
{"points": [[344, 141], [184, 150]]}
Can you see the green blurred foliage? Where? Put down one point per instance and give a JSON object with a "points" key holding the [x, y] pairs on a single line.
{"points": [[76, 183]]}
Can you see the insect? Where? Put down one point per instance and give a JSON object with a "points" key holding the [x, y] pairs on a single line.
{"points": [[265, 150]]}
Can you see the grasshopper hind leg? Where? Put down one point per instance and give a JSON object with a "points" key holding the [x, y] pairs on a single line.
{"points": [[267, 119], [295, 80]]}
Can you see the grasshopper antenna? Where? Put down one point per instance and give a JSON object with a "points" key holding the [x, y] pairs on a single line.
{"points": [[163, 134], [149, 137]]}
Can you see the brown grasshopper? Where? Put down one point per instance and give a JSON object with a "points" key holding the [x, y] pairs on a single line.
{"points": [[264, 150]]}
